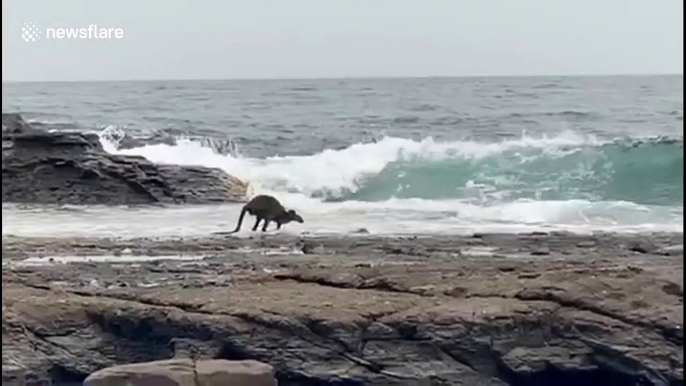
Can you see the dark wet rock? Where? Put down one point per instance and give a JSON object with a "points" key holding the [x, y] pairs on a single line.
{"points": [[673, 289], [642, 247], [540, 252], [72, 168]]}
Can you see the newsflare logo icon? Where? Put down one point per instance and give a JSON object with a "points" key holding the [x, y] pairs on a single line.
{"points": [[30, 32]]}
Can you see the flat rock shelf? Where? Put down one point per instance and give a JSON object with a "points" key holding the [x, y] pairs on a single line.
{"points": [[535, 309]]}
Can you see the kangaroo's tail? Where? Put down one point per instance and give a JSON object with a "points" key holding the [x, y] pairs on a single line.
{"points": [[240, 220]]}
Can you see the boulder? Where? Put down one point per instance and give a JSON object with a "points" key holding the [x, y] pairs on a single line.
{"points": [[72, 168], [183, 372]]}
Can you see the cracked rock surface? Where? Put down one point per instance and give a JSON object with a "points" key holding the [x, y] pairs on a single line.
{"points": [[484, 310]]}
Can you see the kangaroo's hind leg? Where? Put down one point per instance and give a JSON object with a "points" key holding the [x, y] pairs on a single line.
{"points": [[257, 223]]}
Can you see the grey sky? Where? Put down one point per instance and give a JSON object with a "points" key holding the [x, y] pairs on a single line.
{"points": [[167, 39]]}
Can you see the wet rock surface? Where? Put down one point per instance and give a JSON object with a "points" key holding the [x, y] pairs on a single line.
{"points": [[360, 310], [45, 167]]}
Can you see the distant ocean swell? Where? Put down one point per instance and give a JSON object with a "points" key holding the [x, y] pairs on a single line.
{"points": [[564, 167]]}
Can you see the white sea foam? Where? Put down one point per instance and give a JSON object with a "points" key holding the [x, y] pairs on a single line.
{"points": [[296, 179], [412, 216], [341, 170]]}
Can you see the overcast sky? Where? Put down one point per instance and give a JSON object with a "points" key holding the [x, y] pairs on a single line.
{"points": [[205, 39]]}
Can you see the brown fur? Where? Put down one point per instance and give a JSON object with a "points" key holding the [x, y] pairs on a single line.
{"points": [[269, 209]]}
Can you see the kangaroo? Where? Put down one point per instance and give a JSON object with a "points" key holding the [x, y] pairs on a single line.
{"points": [[269, 209]]}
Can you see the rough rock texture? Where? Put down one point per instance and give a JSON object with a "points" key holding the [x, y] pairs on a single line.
{"points": [[72, 168], [486, 310], [185, 372]]}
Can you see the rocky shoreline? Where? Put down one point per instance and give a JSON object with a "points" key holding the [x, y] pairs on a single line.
{"points": [[528, 309], [536, 309], [51, 167]]}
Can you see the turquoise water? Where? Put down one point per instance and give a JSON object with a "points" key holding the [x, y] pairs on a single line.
{"points": [[648, 173]]}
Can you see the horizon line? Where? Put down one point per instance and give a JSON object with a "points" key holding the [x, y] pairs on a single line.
{"points": [[342, 78]]}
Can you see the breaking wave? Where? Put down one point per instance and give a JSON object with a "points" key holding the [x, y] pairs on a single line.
{"points": [[565, 167]]}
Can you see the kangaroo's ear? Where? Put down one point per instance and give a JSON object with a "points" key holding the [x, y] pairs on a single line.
{"points": [[292, 212]]}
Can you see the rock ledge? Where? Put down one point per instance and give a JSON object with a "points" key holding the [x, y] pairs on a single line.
{"points": [[72, 168]]}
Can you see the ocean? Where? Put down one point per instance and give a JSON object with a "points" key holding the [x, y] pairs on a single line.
{"points": [[392, 156]]}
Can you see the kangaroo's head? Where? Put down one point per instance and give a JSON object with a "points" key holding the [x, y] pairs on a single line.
{"points": [[293, 216]]}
